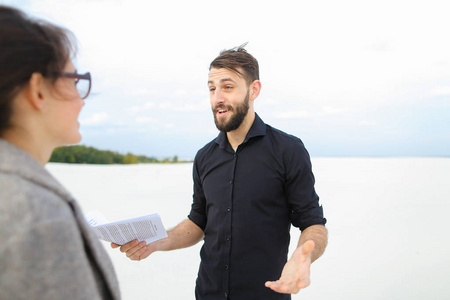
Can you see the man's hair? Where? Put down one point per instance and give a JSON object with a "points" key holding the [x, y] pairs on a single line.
{"points": [[236, 58], [27, 46]]}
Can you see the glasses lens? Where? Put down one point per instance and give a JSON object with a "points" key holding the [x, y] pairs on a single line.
{"points": [[83, 87]]}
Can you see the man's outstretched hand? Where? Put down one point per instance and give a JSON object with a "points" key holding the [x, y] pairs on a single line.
{"points": [[296, 272]]}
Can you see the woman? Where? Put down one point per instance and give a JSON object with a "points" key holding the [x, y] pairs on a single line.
{"points": [[47, 250]]}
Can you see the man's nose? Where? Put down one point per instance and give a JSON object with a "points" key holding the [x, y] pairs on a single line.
{"points": [[217, 97]]}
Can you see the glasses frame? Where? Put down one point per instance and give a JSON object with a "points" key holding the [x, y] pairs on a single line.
{"points": [[86, 76]]}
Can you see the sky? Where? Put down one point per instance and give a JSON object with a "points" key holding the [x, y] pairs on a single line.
{"points": [[350, 78]]}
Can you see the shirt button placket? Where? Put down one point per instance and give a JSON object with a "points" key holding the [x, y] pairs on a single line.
{"points": [[228, 236], [227, 241]]}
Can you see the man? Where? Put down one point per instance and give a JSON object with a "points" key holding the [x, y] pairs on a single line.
{"points": [[250, 184]]}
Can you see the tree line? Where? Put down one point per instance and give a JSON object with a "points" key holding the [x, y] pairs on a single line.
{"points": [[81, 154]]}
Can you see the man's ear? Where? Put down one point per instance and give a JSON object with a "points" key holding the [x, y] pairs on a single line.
{"points": [[34, 92], [255, 88]]}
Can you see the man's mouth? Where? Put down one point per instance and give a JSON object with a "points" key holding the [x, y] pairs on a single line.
{"points": [[222, 110]]}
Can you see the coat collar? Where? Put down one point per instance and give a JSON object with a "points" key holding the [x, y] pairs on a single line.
{"points": [[14, 160]]}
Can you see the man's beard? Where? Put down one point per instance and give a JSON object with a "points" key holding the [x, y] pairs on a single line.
{"points": [[239, 113]]}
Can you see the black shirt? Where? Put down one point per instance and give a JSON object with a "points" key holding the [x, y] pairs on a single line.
{"points": [[245, 202]]}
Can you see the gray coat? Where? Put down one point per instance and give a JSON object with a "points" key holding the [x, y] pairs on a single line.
{"points": [[47, 250]]}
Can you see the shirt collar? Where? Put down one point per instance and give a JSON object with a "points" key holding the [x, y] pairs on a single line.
{"points": [[258, 129]]}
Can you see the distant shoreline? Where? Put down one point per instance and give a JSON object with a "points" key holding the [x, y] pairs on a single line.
{"points": [[80, 154]]}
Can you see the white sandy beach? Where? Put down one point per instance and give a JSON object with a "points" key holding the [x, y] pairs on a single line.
{"points": [[386, 220]]}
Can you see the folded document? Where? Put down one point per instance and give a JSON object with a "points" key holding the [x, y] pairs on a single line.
{"points": [[147, 228]]}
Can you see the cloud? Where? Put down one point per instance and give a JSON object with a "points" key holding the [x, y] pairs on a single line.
{"points": [[441, 91], [95, 119], [145, 120], [146, 106], [293, 114], [368, 123], [331, 110], [145, 92], [381, 45], [181, 93], [188, 107], [326, 110]]}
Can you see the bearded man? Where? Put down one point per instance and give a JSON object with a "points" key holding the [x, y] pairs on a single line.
{"points": [[251, 184]]}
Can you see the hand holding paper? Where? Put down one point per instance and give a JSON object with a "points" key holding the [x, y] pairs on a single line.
{"points": [[147, 228]]}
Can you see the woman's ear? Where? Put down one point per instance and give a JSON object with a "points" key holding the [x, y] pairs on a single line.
{"points": [[35, 91]]}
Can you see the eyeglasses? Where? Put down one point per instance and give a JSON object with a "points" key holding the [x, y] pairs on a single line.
{"points": [[82, 82]]}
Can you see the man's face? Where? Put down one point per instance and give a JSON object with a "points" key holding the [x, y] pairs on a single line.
{"points": [[230, 98]]}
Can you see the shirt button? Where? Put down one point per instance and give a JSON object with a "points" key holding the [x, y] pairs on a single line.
{"points": [[228, 238], [226, 294], [228, 209], [226, 267]]}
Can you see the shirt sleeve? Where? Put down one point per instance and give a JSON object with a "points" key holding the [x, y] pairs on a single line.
{"points": [[300, 191], [198, 207]]}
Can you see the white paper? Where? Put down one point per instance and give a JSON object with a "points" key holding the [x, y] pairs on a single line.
{"points": [[147, 228], [95, 218]]}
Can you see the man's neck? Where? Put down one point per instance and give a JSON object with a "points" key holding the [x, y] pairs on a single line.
{"points": [[236, 137]]}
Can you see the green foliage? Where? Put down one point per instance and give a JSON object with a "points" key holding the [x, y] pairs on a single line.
{"points": [[80, 154]]}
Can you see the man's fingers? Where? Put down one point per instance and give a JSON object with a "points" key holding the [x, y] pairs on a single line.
{"points": [[139, 254], [124, 248], [272, 285], [131, 251], [128, 246], [283, 287], [134, 250]]}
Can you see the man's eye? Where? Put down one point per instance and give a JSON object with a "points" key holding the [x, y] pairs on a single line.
{"points": [[228, 87], [212, 89]]}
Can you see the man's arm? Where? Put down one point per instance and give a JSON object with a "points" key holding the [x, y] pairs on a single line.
{"points": [[185, 234], [296, 273], [319, 235]]}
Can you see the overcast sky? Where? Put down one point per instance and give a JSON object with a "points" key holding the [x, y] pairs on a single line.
{"points": [[350, 78]]}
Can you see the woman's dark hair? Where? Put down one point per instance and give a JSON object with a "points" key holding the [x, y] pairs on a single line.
{"points": [[27, 46], [236, 58]]}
